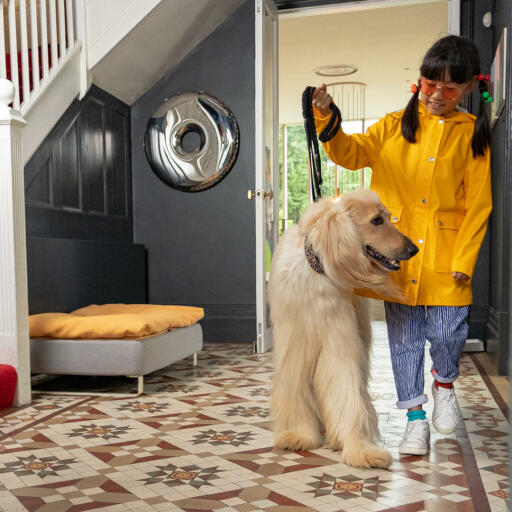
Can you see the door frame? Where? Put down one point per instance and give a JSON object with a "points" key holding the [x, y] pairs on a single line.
{"points": [[263, 328], [364, 5]]}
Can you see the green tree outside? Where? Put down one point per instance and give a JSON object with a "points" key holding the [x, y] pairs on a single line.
{"points": [[298, 193]]}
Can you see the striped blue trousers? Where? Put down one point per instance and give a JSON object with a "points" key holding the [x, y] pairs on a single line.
{"points": [[445, 327]]}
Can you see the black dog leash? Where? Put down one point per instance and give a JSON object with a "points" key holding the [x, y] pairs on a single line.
{"points": [[327, 134]]}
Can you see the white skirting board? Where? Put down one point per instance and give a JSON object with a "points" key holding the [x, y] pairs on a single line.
{"points": [[474, 345]]}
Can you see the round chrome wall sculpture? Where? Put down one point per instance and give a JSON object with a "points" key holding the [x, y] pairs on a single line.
{"points": [[191, 141]]}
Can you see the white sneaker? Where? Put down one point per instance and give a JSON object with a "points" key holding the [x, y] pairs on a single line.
{"points": [[416, 438], [446, 411]]}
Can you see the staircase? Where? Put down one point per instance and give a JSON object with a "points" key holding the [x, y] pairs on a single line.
{"points": [[43, 48], [52, 49], [44, 67]]}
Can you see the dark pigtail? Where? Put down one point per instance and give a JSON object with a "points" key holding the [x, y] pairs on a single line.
{"points": [[482, 132], [457, 58], [410, 118]]}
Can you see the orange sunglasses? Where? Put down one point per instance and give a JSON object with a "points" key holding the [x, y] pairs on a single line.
{"points": [[449, 91]]}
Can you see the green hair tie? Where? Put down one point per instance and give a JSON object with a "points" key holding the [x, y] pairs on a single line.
{"points": [[486, 97]]}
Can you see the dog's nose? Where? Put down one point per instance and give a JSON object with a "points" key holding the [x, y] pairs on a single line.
{"points": [[412, 250]]}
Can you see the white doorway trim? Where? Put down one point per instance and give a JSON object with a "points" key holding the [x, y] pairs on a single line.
{"points": [[454, 17], [365, 5]]}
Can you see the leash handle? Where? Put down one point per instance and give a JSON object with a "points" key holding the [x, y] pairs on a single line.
{"points": [[326, 134]]}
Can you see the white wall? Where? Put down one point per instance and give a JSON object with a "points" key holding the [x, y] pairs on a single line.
{"points": [[109, 21]]}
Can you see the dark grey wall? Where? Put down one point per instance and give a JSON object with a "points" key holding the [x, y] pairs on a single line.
{"points": [[66, 274], [78, 182], [201, 246], [483, 38], [79, 211], [498, 245]]}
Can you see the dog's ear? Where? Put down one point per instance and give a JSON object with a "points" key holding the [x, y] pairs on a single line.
{"points": [[334, 238], [316, 213]]}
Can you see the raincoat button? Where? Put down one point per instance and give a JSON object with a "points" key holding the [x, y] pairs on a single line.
{"points": [[424, 201], [440, 222], [414, 281], [440, 121], [394, 219], [431, 159], [420, 241]]}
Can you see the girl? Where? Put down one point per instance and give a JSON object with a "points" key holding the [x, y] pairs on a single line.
{"points": [[431, 169]]}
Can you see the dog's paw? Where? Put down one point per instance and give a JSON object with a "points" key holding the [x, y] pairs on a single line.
{"points": [[296, 441], [367, 456]]}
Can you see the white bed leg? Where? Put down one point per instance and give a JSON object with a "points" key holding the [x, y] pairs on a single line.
{"points": [[140, 385], [195, 359]]}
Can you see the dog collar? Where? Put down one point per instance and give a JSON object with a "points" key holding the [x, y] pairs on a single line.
{"points": [[312, 258]]}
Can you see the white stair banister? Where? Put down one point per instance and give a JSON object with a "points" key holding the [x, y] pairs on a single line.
{"points": [[25, 77], [80, 13], [14, 335], [70, 23], [44, 40], [53, 32], [34, 44], [13, 49], [3, 67], [62, 29]]}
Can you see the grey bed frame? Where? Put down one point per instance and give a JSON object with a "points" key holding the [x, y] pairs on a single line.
{"points": [[133, 358], [97, 273]]}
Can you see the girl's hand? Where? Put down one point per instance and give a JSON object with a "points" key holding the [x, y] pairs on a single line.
{"points": [[459, 276], [322, 100]]}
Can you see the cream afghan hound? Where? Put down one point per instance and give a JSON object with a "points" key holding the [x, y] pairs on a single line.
{"points": [[322, 332]]}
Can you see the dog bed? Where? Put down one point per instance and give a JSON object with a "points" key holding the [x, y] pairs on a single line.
{"points": [[114, 339]]}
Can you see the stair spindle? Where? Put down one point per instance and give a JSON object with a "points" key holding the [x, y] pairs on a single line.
{"points": [[34, 45], [44, 39], [13, 49], [25, 76]]}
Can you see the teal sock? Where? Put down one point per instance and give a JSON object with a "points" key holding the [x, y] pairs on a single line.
{"points": [[416, 415]]}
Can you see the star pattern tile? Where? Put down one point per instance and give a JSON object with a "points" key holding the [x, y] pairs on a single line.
{"points": [[200, 439]]}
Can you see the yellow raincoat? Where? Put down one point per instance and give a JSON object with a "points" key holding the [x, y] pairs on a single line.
{"points": [[438, 195]]}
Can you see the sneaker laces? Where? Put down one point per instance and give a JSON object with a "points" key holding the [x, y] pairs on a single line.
{"points": [[446, 404], [445, 396], [412, 431]]}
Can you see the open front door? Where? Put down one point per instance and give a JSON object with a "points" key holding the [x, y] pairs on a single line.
{"points": [[267, 164]]}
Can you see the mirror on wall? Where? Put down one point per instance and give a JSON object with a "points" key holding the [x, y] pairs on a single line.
{"points": [[192, 141]]}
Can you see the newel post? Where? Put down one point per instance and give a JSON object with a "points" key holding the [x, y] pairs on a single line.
{"points": [[14, 336]]}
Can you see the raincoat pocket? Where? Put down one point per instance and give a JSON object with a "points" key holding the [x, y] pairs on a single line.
{"points": [[447, 229]]}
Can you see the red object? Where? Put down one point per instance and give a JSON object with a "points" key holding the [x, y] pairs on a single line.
{"points": [[8, 379], [487, 78], [414, 88], [447, 385], [30, 60]]}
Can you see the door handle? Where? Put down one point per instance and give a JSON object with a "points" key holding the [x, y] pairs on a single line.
{"points": [[266, 195]]}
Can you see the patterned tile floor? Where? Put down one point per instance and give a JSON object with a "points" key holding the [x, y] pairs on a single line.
{"points": [[199, 440]]}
